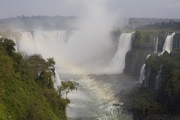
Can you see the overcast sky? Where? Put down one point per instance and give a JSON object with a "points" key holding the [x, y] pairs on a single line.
{"points": [[123, 8]]}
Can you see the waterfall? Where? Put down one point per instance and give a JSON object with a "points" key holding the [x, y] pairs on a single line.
{"points": [[142, 71], [70, 49], [168, 43], [146, 82], [43, 42], [57, 80], [58, 36], [26, 43], [141, 77], [40, 41], [155, 45], [118, 61], [158, 78], [167, 47]]}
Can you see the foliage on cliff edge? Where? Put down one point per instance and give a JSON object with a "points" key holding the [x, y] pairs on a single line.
{"points": [[25, 94]]}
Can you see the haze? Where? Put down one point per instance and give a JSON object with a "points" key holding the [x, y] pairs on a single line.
{"points": [[124, 8], [90, 45]]}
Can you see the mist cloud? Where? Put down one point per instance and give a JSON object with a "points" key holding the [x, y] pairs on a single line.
{"points": [[92, 40]]}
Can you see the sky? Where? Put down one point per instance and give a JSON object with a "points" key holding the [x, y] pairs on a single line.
{"points": [[122, 8]]}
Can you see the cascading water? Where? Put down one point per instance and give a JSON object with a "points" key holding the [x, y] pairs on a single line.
{"points": [[168, 43], [95, 100], [146, 82], [34, 43], [156, 45], [141, 77], [142, 71], [41, 43], [167, 47], [118, 62], [58, 36], [91, 100], [57, 81], [26, 43], [158, 78]]}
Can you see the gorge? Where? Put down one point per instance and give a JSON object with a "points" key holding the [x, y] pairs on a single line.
{"points": [[101, 69]]}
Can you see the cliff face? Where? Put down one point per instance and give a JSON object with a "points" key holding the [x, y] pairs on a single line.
{"points": [[159, 67], [176, 41], [165, 77], [162, 76], [143, 44]]}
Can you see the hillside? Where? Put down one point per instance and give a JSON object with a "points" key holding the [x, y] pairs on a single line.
{"points": [[25, 94]]}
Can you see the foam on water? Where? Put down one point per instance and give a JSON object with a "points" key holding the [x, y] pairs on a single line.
{"points": [[94, 99]]}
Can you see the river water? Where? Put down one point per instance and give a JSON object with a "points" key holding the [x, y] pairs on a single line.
{"points": [[95, 97]]}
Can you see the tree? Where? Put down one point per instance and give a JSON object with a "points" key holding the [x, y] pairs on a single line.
{"points": [[38, 64], [67, 86], [50, 61], [45, 77], [23, 98], [172, 86], [8, 44]]}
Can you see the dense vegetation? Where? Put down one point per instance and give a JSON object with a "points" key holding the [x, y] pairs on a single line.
{"points": [[170, 76], [149, 23], [163, 100], [26, 87], [159, 94], [171, 25], [143, 43]]}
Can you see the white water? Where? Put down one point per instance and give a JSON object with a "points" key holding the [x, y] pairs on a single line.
{"points": [[142, 76], [118, 62], [168, 43], [142, 71], [75, 51], [39, 41], [42, 43], [156, 45], [158, 78], [26, 44], [93, 99], [57, 81], [167, 47]]}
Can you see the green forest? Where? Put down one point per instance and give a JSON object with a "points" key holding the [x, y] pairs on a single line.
{"points": [[150, 101], [26, 87]]}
